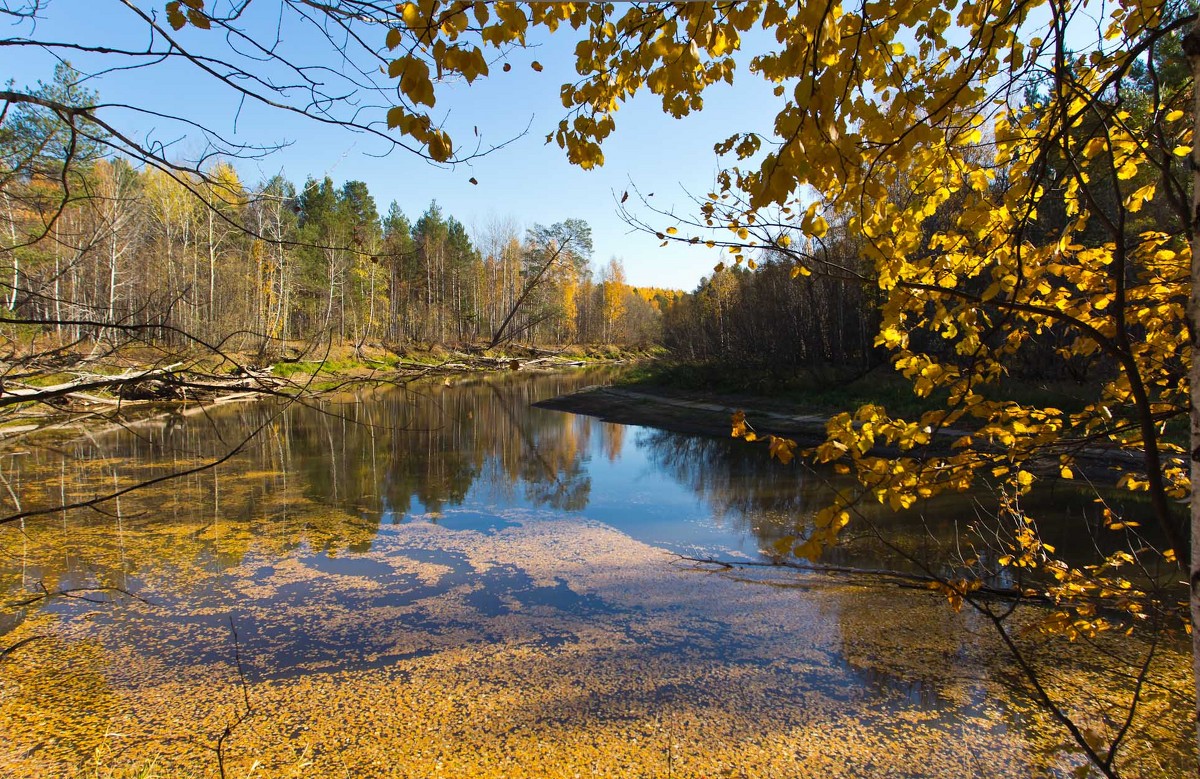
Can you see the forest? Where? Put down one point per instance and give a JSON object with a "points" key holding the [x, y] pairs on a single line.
{"points": [[100, 249], [106, 250], [991, 205]]}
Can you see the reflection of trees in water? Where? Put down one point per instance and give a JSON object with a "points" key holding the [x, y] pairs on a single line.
{"points": [[739, 484], [749, 492], [320, 476]]}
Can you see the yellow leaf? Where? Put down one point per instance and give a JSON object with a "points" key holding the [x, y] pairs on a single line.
{"points": [[1139, 196], [414, 79], [781, 448], [411, 15], [739, 424], [1094, 147], [978, 180], [440, 147]]}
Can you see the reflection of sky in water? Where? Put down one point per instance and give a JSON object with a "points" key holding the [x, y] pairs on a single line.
{"points": [[624, 488], [337, 549], [634, 496], [710, 497], [627, 492]]}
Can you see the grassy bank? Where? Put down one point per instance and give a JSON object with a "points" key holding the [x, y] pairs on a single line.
{"points": [[58, 388], [349, 362]]}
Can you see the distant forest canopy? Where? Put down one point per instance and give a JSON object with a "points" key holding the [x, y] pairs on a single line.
{"points": [[108, 246]]}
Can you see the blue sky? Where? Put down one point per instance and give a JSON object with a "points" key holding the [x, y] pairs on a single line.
{"points": [[527, 181]]}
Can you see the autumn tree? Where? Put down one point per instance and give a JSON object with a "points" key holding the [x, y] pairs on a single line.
{"points": [[225, 197], [613, 292], [910, 125], [554, 256], [274, 223]]}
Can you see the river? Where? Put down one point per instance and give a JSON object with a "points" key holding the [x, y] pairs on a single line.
{"points": [[440, 580]]}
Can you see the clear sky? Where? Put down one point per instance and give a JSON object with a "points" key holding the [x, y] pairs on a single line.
{"points": [[528, 181]]}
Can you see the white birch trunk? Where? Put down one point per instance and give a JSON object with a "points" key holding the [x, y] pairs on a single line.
{"points": [[1191, 46], [16, 269]]}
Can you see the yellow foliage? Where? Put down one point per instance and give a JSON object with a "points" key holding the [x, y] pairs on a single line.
{"points": [[889, 131]]}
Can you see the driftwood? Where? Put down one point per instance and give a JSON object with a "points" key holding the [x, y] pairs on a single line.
{"points": [[88, 422], [146, 386], [469, 363], [88, 397], [79, 389], [78, 403]]}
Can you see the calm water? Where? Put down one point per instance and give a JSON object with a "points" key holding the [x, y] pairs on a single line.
{"points": [[442, 580]]}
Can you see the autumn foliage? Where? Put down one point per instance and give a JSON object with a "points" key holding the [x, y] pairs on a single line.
{"points": [[1015, 172], [1012, 177]]}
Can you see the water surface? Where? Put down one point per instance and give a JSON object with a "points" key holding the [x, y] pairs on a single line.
{"points": [[444, 581]]}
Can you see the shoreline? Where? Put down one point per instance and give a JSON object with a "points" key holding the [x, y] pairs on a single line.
{"points": [[702, 413], [94, 401], [697, 414]]}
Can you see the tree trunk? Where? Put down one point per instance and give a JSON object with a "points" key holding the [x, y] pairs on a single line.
{"points": [[1191, 46], [212, 274], [16, 268], [57, 278], [112, 278], [499, 334], [329, 302], [366, 333]]}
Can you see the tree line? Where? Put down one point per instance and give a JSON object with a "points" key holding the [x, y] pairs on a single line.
{"points": [[772, 319], [95, 245]]}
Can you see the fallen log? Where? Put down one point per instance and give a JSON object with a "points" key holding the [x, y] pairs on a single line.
{"points": [[13, 395]]}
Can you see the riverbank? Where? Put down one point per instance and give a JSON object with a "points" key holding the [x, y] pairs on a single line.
{"points": [[76, 391], [695, 413], [705, 413]]}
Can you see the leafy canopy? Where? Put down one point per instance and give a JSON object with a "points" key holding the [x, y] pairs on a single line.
{"points": [[1014, 170]]}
